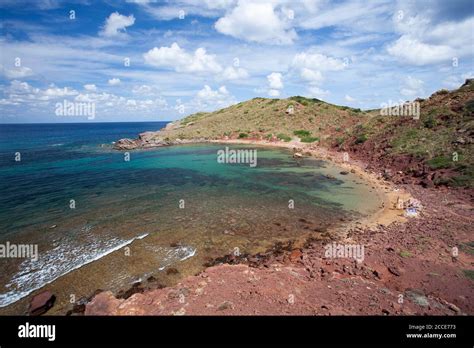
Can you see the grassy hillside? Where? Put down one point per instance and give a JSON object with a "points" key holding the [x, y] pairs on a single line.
{"points": [[436, 149], [262, 118]]}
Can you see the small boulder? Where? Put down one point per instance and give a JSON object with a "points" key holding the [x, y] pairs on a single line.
{"points": [[41, 303], [296, 255]]}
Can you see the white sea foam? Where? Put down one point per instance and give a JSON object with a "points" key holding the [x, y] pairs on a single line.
{"points": [[178, 254], [55, 263]]}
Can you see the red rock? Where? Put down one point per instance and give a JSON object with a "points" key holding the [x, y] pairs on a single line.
{"points": [[104, 303], [296, 255], [395, 271], [41, 303]]}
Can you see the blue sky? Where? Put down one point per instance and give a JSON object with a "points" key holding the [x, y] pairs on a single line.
{"points": [[186, 56]]}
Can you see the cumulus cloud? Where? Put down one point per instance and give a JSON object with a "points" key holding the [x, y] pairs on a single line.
{"points": [[90, 87], [319, 61], [258, 22], [310, 67], [209, 99], [114, 81], [275, 80], [16, 73], [316, 92], [413, 87], [430, 36], [116, 23], [415, 52], [22, 93], [275, 84], [181, 61], [231, 73]]}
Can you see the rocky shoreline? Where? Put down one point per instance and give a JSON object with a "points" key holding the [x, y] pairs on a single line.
{"points": [[410, 265], [399, 276]]}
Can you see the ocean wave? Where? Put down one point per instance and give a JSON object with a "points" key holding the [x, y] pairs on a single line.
{"points": [[55, 263], [177, 254]]}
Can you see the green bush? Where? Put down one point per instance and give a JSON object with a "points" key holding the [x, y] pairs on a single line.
{"points": [[469, 107], [309, 139], [302, 133], [362, 138], [440, 162], [429, 122], [243, 135], [284, 137]]}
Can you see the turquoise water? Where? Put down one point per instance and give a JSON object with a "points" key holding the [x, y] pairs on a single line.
{"points": [[174, 206]]}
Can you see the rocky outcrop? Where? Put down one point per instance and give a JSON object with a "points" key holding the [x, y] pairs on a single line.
{"points": [[144, 140], [150, 140]]}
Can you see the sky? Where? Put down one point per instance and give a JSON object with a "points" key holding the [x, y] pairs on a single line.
{"points": [[144, 60]]}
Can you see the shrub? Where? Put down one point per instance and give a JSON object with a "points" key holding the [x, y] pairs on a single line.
{"points": [[362, 138], [469, 107], [440, 162], [309, 139], [429, 122], [283, 137], [302, 133], [339, 140], [243, 135]]}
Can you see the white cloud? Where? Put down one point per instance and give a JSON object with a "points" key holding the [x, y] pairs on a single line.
{"points": [[310, 66], [114, 81], [317, 61], [16, 73], [54, 91], [181, 61], [209, 99], [231, 73], [275, 80], [412, 51], [273, 92], [142, 90], [317, 92], [349, 98], [31, 98], [412, 87], [425, 39], [258, 22], [312, 76], [116, 23], [90, 87], [275, 84]]}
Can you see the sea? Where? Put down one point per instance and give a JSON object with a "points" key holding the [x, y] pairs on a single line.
{"points": [[105, 219]]}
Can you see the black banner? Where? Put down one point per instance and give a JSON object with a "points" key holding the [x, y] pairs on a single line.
{"points": [[188, 330]]}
